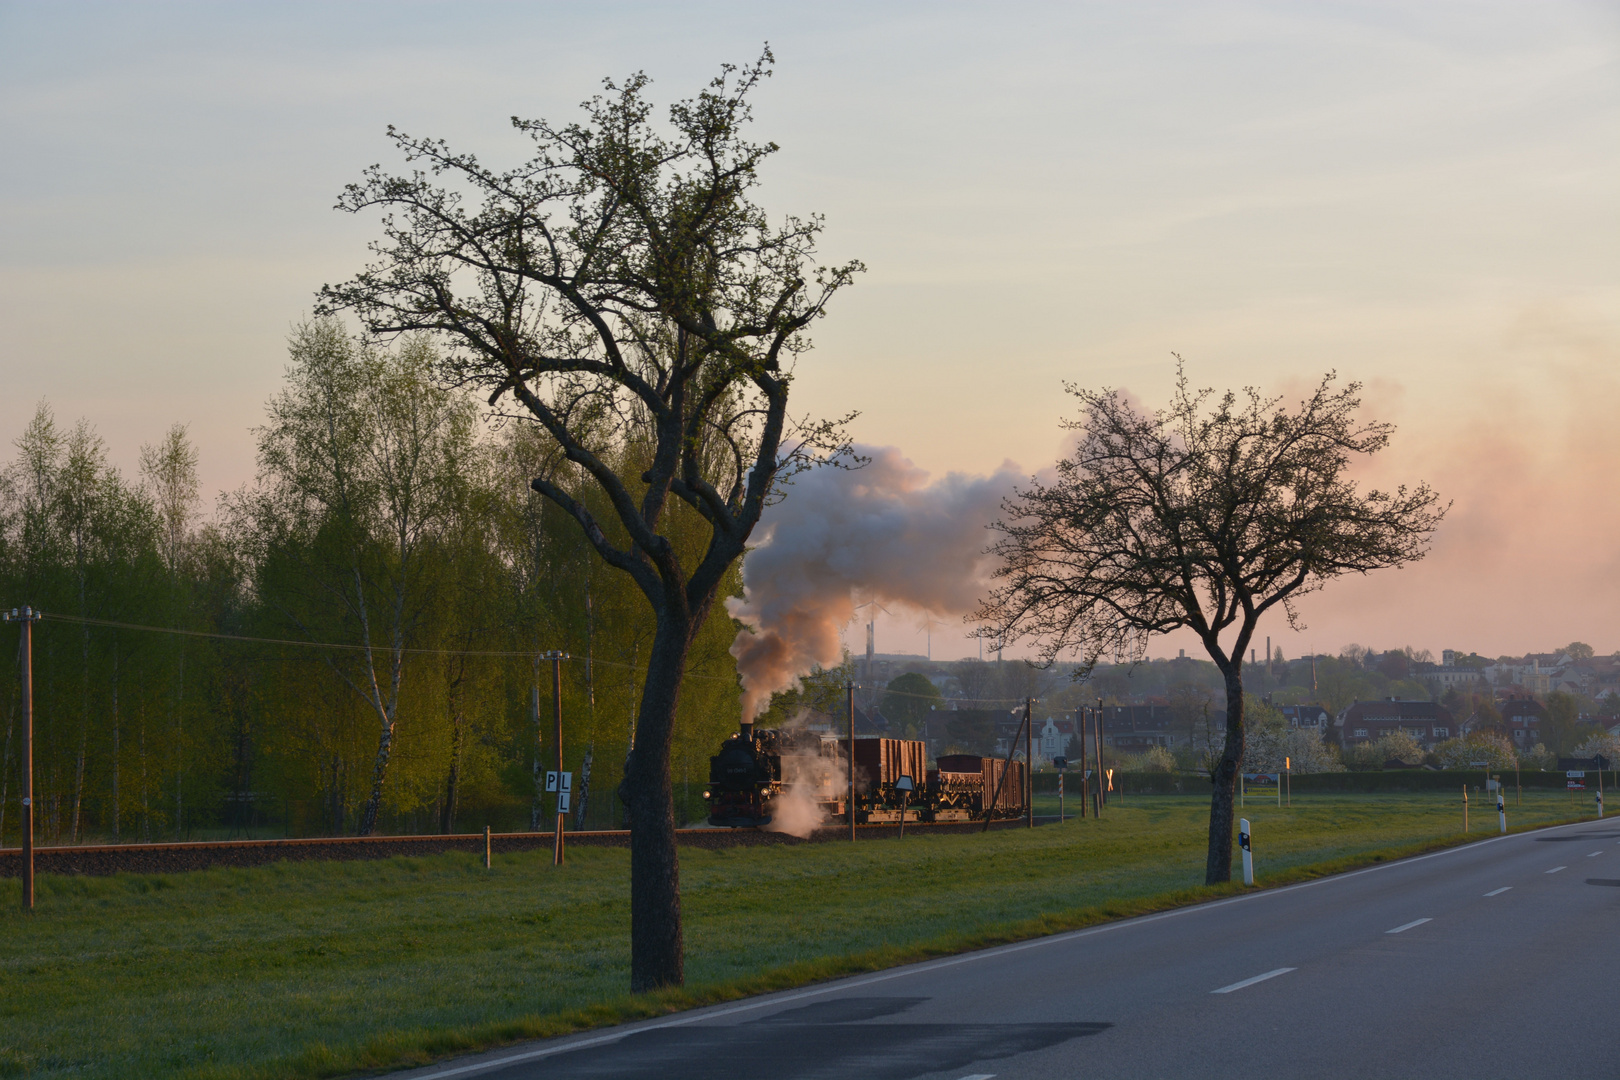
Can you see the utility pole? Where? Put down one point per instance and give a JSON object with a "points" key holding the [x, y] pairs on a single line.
{"points": [[1029, 765], [1080, 716], [556, 659], [1102, 777], [849, 690], [25, 655]]}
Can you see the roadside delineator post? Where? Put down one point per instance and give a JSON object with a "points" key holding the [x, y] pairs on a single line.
{"points": [[849, 690], [1248, 852], [1465, 808], [1501, 809]]}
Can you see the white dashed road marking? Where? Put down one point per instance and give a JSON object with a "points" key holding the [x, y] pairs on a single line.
{"points": [[1499, 892], [1407, 926], [1251, 981], [1555, 869]]}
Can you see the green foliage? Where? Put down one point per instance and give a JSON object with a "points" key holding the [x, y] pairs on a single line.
{"points": [[1398, 745], [385, 522], [1155, 759], [1538, 757], [907, 700], [969, 733], [1270, 745], [1600, 743], [822, 691], [1486, 746]]}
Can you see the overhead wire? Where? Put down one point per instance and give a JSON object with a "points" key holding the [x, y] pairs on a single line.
{"points": [[209, 635]]}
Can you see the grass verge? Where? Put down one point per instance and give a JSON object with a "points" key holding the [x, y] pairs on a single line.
{"points": [[319, 970]]}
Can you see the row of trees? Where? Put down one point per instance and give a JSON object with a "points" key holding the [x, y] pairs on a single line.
{"points": [[389, 525]]}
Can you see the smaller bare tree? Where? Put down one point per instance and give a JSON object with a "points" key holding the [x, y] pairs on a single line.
{"points": [[1205, 515]]}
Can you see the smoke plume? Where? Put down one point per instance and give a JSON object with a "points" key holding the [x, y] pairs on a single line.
{"points": [[807, 778], [881, 532]]}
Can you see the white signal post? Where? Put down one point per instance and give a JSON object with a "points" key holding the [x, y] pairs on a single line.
{"points": [[1248, 852], [1501, 809]]}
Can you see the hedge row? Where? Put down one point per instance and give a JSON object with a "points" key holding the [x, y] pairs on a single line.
{"points": [[1341, 782]]}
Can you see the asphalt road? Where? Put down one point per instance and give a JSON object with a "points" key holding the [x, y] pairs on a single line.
{"points": [[1499, 959]]}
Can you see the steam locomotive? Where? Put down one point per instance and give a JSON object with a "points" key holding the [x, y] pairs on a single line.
{"points": [[757, 775]]}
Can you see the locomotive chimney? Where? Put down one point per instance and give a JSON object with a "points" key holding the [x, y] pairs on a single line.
{"points": [[747, 731]]}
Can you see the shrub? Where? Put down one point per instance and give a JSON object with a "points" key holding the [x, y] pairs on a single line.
{"points": [[1396, 746], [1476, 746]]}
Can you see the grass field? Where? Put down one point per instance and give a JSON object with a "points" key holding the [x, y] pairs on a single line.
{"points": [[318, 969]]}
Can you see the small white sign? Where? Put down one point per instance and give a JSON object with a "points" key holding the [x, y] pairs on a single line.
{"points": [[1576, 774], [568, 781], [551, 782], [562, 802]]}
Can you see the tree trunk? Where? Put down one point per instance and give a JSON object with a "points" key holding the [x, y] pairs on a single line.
{"points": [[1218, 865], [180, 745], [5, 769], [379, 773], [452, 784], [656, 951], [116, 803], [78, 779], [537, 805], [146, 806]]}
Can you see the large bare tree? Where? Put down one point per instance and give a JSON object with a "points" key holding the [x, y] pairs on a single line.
{"points": [[622, 289], [1205, 515]]}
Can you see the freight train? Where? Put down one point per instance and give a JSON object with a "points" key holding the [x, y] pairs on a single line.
{"points": [[756, 773]]}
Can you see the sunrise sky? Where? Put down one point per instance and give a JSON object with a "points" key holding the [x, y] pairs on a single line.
{"points": [[1420, 196]]}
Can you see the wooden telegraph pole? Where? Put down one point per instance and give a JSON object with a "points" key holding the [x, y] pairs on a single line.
{"points": [[556, 659], [1102, 777], [1080, 716], [849, 689], [25, 655], [1029, 765]]}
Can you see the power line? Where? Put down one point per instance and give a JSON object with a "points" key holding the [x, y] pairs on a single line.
{"points": [[113, 624], [295, 643]]}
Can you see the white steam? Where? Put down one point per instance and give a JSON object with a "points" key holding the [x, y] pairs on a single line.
{"points": [[807, 778], [881, 532]]}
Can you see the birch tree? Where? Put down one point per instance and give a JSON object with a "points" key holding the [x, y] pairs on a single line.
{"points": [[360, 466]]}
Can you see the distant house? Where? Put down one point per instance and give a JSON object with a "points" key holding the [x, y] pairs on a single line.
{"points": [[1428, 722], [971, 730], [1442, 677], [866, 724], [1307, 716], [1522, 718], [1598, 676], [1136, 728], [1052, 739], [1538, 673]]}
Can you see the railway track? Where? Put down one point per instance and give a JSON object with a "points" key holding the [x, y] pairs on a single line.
{"points": [[105, 859]]}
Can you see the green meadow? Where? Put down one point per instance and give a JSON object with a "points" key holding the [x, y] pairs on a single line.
{"points": [[326, 969]]}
